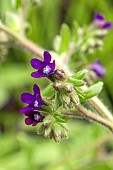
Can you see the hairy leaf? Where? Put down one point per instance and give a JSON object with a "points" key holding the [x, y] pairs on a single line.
{"points": [[93, 90]]}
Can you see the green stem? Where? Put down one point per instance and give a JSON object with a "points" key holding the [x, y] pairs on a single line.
{"points": [[72, 113], [24, 42], [99, 106], [95, 117]]}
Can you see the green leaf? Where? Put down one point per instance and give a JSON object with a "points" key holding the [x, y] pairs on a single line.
{"points": [[80, 94], [80, 75], [65, 38], [76, 82], [58, 100], [60, 119], [74, 30], [93, 90], [18, 4], [12, 20]]}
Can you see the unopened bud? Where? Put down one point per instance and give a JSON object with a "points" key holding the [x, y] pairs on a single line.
{"points": [[40, 129], [48, 119], [100, 33], [57, 132], [60, 75], [47, 131], [68, 87], [92, 42], [80, 31], [66, 98], [99, 43], [64, 134], [75, 98], [57, 86], [91, 51]]}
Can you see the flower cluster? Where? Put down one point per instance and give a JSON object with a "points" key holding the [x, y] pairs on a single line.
{"points": [[35, 102], [101, 22]]}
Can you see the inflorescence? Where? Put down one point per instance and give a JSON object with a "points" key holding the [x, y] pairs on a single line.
{"points": [[66, 94], [35, 102]]}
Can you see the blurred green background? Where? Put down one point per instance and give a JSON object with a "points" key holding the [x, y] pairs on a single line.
{"points": [[89, 147]]}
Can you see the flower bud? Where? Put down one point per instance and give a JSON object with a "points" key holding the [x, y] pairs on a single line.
{"points": [[48, 119], [47, 132], [100, 33], [91, 51], [57, 86], [80, 31], [75, 98], [66, 98], [60, 75], [64, 134], [40, 129], [99, 43], [57, 132], [68, 87], [92, 42]]}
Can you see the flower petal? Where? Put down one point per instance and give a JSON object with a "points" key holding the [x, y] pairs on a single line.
{"points": [[34, 123], [52, 65], [98, 17], [98, 68], [107, 25], [36, 64], [47, 57], [27, 98], [30, 112], [36, 89], [28, 121], [37, 74], [25, 110]]}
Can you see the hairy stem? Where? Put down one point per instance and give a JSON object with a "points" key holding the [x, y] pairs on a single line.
{"points": [[94, 117], [101, 108], [6, 43], [83, 113], [73, 113], [25, 43]]}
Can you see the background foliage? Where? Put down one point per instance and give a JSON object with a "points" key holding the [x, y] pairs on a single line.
{"points": [[89, 145]]}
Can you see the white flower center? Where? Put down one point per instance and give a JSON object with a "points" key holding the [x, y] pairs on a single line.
{"points": [[46, 70], [37, 117], [36, 103]]}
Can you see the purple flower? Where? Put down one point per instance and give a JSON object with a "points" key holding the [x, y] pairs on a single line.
{"points": [[100, 21], [45, 68], [34, 102], [98, 68], [33, 118]]}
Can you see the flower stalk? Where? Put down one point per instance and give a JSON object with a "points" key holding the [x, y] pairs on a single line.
{"points": [[95, 117]]}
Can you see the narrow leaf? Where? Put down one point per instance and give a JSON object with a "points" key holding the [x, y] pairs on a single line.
{"points": [[65, 38], [80, 75], [76, 82], [93, 90]]}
